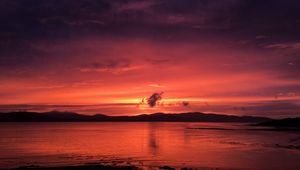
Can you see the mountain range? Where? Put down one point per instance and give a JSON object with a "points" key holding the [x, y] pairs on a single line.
{"points": [[56, 116]]}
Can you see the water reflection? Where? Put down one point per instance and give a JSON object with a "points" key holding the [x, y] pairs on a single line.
{"points": [[153, 141], [157, 142]]}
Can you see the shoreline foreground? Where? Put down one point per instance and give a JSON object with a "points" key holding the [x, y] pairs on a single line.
{"points": [[95, 166], [77, 167]]}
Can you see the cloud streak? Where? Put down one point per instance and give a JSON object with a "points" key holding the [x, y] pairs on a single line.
{"points": [[112, 66]]}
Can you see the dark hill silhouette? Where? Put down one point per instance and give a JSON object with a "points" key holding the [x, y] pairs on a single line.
{"points": [[288, 122], [156, 117]]}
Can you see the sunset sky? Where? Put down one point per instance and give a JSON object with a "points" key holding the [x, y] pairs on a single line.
{"points": [[109, 56]]}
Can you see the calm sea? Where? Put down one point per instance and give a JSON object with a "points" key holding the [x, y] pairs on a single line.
{"points": [[148, 144]]}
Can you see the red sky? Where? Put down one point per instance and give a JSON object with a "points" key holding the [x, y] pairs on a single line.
{"points": [[107, 58]]}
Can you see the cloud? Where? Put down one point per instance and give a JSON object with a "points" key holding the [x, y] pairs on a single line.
{"points": [[185, 103], [140, 5], [44, 19], [154, 98], [294, 46], [113, 66], [156, 85]]}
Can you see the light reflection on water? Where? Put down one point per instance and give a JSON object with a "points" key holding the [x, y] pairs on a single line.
{"points": [[153, 143]]}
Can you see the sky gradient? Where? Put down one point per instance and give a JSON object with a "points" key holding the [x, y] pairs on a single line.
{"points": [[99, 56]]}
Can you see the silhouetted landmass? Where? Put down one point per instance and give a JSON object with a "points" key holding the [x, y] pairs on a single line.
{"points": [[157, 117], [283, 123]]}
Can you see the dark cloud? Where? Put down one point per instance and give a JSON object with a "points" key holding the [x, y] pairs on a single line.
{"points": [[50, 19], [270, 17], [112, 65], [277, 22], [185, 103], [154, 98], [44, 16]]}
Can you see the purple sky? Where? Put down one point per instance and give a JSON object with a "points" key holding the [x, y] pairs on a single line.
{"points": [[102, 56]]}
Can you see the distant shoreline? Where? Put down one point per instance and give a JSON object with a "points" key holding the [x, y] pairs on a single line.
{"points": [[56, 116]]}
